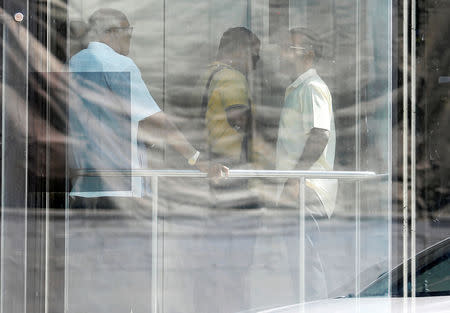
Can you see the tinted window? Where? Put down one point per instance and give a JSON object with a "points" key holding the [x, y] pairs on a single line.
{"points": [[435, 280]]}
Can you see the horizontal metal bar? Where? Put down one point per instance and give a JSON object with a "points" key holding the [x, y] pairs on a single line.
{"points": [[351, 175]]}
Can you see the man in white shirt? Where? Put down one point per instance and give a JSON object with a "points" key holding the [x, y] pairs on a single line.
{"points": [[108, 108], [306, 141]]}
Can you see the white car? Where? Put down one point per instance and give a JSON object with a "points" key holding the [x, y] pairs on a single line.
{"points": [[370, 305], [432, 290]]}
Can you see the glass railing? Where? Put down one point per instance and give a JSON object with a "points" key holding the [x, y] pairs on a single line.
{"points": [[302, 176]]}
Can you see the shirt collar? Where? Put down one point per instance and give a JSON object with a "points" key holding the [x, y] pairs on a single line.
{"points": [[219, 63], [99, 45], [309, 73]]}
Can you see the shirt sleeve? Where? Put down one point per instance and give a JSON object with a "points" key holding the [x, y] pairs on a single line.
{"points": [[143, 104], [141, 98], [316, 108], [234, 92], [229, 90]]}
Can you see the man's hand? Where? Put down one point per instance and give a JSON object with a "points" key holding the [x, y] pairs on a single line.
{"points": [[215, 171], [237, 117], [158, 126]]}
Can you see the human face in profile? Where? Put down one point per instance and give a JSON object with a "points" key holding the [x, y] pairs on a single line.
{"points": [[287, 62], [296, 57], [122, 37], [301, 54]]}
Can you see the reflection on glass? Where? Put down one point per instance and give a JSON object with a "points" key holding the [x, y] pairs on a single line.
{"points": [[112, 119], [306, 141], [227, 105], [108, 104], [114, 99], [269, 99]]}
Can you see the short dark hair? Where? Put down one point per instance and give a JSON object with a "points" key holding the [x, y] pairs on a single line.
{"points": [[312, 40], [235, 39]]}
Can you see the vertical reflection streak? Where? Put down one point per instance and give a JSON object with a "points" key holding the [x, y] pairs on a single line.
{"points": [[413, 148], [164, 70], [2, 222], [302, 242], [389, 112], [47, 153], [27, 53], [164, 57], [405, 148], [154, 184], [357, 148], [67, 182], [154, 273]]}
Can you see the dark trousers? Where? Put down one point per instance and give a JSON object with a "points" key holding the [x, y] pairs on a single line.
{"points": [[109, 255], [224, 252], [106, 203]]}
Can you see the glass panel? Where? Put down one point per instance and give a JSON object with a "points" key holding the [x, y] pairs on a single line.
{"points": [[109, 225], [431, 107], [13, 172], [292, 97], [435, 280]]}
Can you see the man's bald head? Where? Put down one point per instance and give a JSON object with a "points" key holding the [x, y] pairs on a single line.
{"points": [[103, 20], [111, 27]]}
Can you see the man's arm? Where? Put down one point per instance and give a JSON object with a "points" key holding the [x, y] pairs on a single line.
{"points": [[235, 100], [158, 128], [238, 117], [314, 146]]}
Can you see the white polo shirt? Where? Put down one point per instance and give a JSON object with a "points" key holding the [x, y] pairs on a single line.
{"points": [[108, 101], [308, 105]]}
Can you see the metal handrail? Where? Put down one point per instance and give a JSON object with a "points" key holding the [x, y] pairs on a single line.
{"points": [[351, 175]]}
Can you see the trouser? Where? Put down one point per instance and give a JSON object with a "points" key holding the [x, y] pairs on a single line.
{"points": [[225, 281], [109, 255], [212, 273], [315, 286], [107, 203], [315, 277], [232, 193]]}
